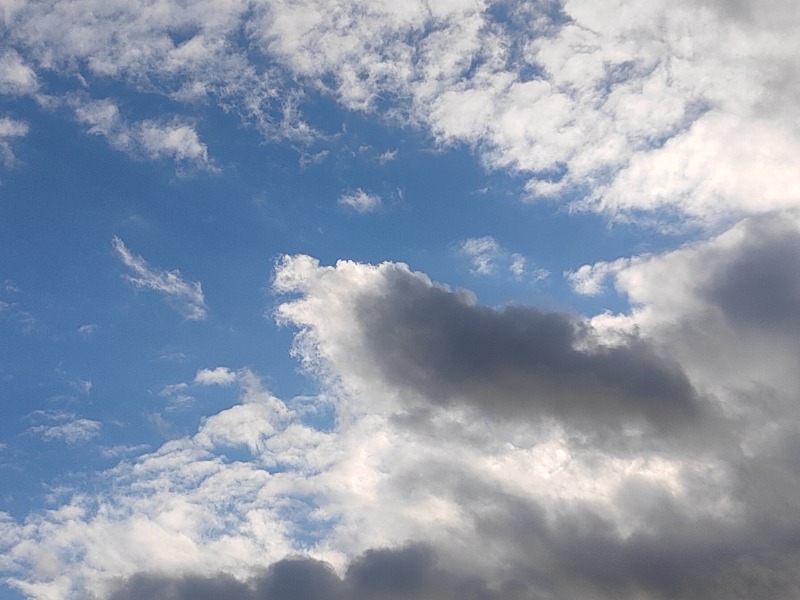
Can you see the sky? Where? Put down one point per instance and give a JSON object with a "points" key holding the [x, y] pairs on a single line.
{"points": [[324, 300]]}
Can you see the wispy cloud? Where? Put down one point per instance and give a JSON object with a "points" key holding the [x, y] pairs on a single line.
{"points": [[9, 129], [186, 296], [152, 139], [65, 427], [88, 329], [487, 256]]}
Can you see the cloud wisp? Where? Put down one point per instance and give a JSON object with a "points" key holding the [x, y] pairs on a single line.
{"points": [[186, 296]]}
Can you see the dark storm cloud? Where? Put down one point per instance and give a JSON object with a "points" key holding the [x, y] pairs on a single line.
{"points": [[757, 285], [408, 573], [582, 557], [436, 345]]}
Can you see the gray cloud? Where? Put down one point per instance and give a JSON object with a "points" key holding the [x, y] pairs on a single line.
{"points": [[408, 572], [758, 283], [515, 361], [581, 559]]}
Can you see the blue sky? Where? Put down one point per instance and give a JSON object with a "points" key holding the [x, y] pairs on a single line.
{"points": [[409, 295]]}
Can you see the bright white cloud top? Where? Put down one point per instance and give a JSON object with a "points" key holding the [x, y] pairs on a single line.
{"points": [[505, 300]]}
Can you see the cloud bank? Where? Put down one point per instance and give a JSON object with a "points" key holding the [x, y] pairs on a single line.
{"points": [[654, 111]]}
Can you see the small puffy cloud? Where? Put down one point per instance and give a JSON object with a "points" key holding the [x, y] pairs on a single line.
{"points": [[360, 201], [217, 376], [173, 140], [387, 156], [589, 280], [186, 296]]}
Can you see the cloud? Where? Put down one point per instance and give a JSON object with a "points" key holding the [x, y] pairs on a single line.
{"points": [[217, 376], [176, 396], [387, 156], [424, 341], [186, 296], [70, 431], [360, 201], [483, 251], [16, 77], [404, 573], [673, 111], [150, 139], [9, 129], [589, 280], [12, 311], [88, 329], [487, 254], [506, 454]]}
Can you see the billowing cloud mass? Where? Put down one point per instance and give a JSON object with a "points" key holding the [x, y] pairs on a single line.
{"points": [[439, 447], [521, 454], [186, 296]]}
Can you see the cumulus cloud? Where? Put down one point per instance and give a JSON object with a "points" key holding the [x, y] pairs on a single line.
{"points": [[589, 280], [360, 201], [421, 340], [216, 376], [186, 296]]}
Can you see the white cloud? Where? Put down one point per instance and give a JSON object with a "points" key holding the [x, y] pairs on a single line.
{"points": [[387, 156], [360, 201], [217, 376], [88, 329], [681, 107], [589, 280], [9, 129], [15, 76], [187, 296], [487, 256], [73, 431], [149, 139], [177, 396], [483, 251]]}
